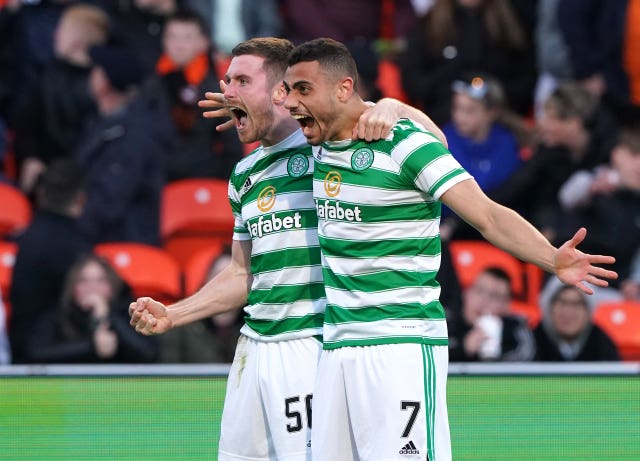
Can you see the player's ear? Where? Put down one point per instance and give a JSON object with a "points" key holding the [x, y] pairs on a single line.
{"points": [[279, 94], [345, 89]]}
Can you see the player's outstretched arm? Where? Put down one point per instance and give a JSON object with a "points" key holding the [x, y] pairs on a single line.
{"points": [[216, 108], [506, 229], [377, 121], [225, 292]]}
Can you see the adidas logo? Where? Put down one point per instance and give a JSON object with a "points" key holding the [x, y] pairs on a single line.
{"points": [[409, 449], [247, 185]]}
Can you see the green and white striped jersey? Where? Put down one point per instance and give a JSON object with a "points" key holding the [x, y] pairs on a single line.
{"points": [[271, 197], [378, 225]]}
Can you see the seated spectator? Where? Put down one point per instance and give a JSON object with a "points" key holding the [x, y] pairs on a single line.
{"points": [[575, 135], [51, 121], [567, 333], [123, 153], [46, 250], [487, 331], [91, 324], [482, 144], [606, 200], [5, 349], [210, 340], [460, 36], [184, 73]]}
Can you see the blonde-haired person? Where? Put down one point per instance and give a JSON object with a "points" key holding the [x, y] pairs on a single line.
{"points": [[58, 107]]}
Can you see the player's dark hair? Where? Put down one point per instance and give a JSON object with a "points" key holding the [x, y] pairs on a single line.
{"points": [[275, 52], [333, 57]]}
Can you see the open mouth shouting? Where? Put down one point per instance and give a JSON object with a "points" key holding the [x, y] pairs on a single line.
{"points": [[239, 117], [306, 122]]}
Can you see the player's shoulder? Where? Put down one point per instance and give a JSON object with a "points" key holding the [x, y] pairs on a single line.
{"points": [[406, 127]]}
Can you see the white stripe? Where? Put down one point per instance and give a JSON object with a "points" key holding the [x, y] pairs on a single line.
{"points": [[295, 238], [409, 145], [287, 276], [353, 266], [436, 170], [427, 328], [347, 299], [449, 184], [276, 311], [390, 230], [289, 335], [367, 195]]}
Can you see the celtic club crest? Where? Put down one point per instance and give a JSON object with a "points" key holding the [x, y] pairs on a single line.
{"points": [[297, 165], [362, 159]]}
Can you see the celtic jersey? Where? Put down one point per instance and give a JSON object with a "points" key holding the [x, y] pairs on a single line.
{"points": [[272, 202], [378, 225]]}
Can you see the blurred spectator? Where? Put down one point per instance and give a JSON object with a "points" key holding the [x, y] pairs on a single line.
{"points": [[209, 340], [567, 333], [603, 37], [4, 145], [233, 21], [367, 62], [91, 324], [137, 26], [487, 331], [50, 123], [5, 349], [184, 73], [574, 135], [606, 201], [343, 20], [484, 146], [46, 250], [26, 47], [122, 153], [458, 37], [552, 53]]}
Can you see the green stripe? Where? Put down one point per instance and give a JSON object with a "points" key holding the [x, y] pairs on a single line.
{"points": [[336, 315], [287, 257], [328, 345], [282, 184], [383, 280], [284, 294], [430, 397], [429, 246], [238, 179], [292, 324], [379, 213], [445, 178]]}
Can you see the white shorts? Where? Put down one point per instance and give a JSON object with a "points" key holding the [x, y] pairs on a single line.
{"points": [[267, 408], [386, 402]]}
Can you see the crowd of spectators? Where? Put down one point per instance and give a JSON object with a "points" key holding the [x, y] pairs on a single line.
{"points": [[539, 100]]}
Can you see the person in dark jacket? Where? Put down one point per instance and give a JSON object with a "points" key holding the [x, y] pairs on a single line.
{"points": [[487, 330], [91, 324], [52, 119], [122, 153], [567, 333], [46, 250], [184, 73]]}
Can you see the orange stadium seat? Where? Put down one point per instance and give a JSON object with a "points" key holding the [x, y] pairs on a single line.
{"points": [[621, 321], [471, 257], [8, 251], [195, 213], [196, 269], [15, 210], [149, 271]]}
